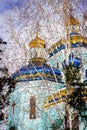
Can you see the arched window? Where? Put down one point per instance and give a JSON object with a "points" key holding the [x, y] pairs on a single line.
{"points": [[32, 107], [86, 73], [75, 123], [12, 128], [1, 116]]}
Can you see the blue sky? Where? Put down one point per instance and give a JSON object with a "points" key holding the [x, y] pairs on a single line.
{"points": [[5, 5]]}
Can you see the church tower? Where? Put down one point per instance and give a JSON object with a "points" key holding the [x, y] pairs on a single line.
{"points": [[35, 83], [71, 49]]}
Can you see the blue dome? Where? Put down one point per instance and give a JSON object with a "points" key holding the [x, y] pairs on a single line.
{"points": [[37, 71]]}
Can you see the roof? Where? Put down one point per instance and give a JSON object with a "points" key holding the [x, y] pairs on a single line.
{"points": [[37, 71], [37, 42], [74, 38], [72, 21]]}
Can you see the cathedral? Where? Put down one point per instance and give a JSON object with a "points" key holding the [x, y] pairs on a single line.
{"points": [[38, 101]]}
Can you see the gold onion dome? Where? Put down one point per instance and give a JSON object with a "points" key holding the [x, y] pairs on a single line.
{"points": [[72, 21], [37, 42]]}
